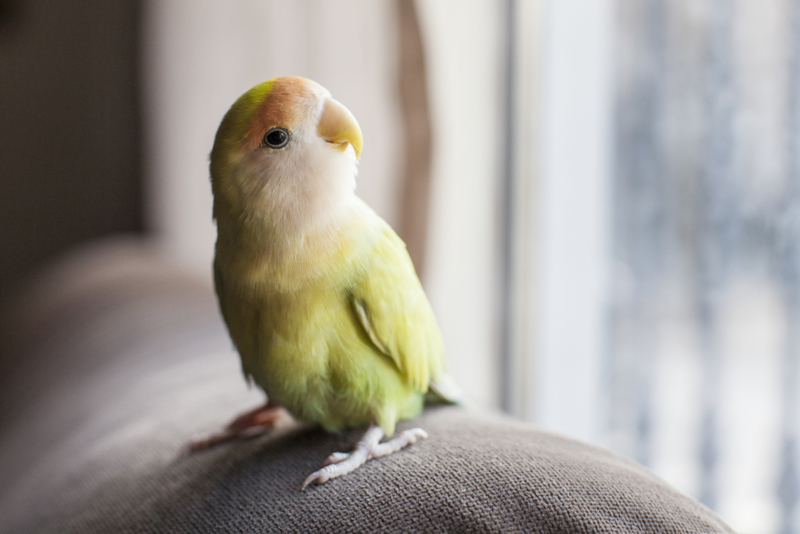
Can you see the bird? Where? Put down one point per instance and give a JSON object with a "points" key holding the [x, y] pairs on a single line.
{"points": [[319, 295]]}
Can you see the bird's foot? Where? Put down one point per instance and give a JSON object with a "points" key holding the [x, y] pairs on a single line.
{"points": [[369, 447], [336, 457], [248, 424]]}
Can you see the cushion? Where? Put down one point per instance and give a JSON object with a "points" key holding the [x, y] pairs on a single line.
{"points": [[119, 358]]}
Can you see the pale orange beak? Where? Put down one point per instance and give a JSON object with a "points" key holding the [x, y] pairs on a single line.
{"points": [[338, 127]]}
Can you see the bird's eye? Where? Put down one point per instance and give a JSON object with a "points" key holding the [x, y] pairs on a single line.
{"points": [[276, 138]]}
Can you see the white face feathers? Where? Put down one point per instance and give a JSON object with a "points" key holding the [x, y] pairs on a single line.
{"points": [[306, 184]]}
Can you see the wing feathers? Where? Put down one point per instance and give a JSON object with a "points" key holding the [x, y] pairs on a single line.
{"points": [[394, 312], [363, 317]]}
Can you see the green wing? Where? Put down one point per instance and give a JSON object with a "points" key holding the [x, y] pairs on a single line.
{"points": [[396, 316]]}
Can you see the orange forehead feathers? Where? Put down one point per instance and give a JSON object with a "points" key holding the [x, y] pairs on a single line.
{"points": [[288, 101], [282, 101]]}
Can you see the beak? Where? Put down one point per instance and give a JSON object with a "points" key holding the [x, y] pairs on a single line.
{"points": [[338, 126]]}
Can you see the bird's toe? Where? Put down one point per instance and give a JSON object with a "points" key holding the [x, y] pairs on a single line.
{"points": [[336, 457]]}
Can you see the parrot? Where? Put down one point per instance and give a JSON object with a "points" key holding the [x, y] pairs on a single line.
{"points": [[319, 295]]}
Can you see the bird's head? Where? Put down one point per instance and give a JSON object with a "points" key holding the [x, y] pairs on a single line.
{"points": [[284, 155]]}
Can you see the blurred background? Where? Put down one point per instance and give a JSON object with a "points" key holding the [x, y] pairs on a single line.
{"points": [[602, 198]]}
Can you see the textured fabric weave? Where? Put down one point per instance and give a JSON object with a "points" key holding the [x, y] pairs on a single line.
{"points": [[127, 370]]}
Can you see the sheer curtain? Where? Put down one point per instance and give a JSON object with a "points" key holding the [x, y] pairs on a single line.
{"points": [[664, 257], [703, 355]]}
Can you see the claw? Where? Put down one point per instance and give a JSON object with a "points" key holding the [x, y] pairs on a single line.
{"points": [[201, 444], [317, 477], [341, 463]]}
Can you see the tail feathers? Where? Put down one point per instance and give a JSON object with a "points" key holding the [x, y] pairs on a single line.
{"points": [[444, 390]]}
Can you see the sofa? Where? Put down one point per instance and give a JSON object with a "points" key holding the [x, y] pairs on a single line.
{"points": [[115, 358]]}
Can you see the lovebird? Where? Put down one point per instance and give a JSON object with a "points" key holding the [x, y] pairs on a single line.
{"points": [[319, 294]]}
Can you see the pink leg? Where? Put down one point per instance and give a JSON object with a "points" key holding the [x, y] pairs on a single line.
{"points": [[250, 423]]}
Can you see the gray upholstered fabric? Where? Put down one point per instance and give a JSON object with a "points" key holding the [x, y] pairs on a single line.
{"points": [[122, 367]]}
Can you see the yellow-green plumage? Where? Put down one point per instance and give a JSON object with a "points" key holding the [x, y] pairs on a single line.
{"points": [[324, 307]]}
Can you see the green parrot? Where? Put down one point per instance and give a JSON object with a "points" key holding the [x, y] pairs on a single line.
{"points": [[318, 292]]}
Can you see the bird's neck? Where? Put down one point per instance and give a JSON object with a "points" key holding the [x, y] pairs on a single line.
{"points": [[290, 259], [284, 230]]}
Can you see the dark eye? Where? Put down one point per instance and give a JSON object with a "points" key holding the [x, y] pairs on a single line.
{"points": [[276, 138]]}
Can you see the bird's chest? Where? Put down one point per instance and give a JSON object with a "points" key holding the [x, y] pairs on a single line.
{"points": [[292, 342]]}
